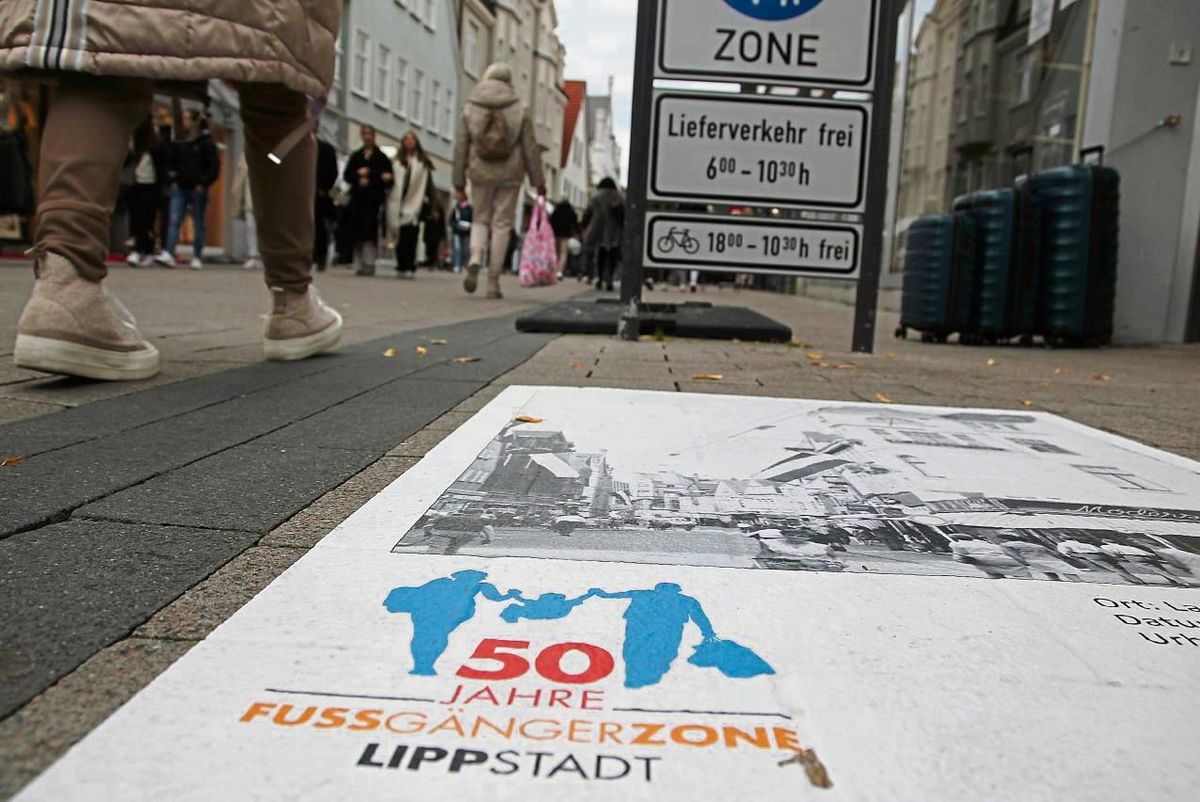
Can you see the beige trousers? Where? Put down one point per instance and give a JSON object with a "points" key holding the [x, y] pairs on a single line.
{"points": [[85, 142], [495, 210]]}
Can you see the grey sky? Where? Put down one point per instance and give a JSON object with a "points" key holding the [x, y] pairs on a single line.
{"points": [[600, 37]]}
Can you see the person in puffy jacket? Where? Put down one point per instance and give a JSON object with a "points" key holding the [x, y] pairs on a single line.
{"points": [[496, 148], [104, 62]]}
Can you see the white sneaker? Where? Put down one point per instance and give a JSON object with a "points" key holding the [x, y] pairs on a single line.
{"points": [[165, 259], [134, 259], [251, 264], [196, 264]]}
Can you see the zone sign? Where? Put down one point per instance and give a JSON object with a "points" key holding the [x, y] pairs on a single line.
{"points": [[780, 41]]}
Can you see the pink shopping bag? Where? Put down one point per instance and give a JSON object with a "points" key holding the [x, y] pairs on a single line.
{"points": [[539, 255]]}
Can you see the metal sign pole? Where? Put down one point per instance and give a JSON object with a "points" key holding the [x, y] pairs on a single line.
{"points": [[629, 327], [867, 301]]}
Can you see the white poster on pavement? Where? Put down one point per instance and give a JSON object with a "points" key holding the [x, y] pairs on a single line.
{"points": [[620, 595]]}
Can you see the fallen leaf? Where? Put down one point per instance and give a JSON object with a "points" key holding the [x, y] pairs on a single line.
{"points": [[991, 363], [708, 377], [890, 355], [1102, 377], [13, 460], [882, 399], [1027, 403], [577, 366], [422, 350], [390, 353], [842, 366], [1058, 371], [463, 360], [439, 342], [814, 356], [529, 419]]}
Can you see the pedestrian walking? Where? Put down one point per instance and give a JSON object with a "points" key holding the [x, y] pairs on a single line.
{"points": [[460, 227], [564, 222], [435, 236], [243, 209], [104, 76], [408, 206], [193, 166], [144, 193], [495, 150], [370, 175], [604, 224], [324, 211]]}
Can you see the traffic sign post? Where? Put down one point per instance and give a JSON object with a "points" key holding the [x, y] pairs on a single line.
{"points": [[819, 151]]}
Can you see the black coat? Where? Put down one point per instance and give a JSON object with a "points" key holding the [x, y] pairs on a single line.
{"points": [[194, 162], [327, 172], [366, 201], [564, 221]]}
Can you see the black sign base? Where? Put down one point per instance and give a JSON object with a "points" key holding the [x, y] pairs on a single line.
{"points": [[698, 320]]}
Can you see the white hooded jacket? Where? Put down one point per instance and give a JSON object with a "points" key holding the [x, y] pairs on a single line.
{"points": [[495, 92]]}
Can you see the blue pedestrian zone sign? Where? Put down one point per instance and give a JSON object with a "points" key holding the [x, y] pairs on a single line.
{"points": [[774, 9]]}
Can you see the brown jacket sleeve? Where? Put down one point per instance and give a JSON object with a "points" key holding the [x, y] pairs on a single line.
{"points": [[533, 154], [462, 150]]}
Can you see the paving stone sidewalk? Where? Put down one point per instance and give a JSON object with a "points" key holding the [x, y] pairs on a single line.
{"points": [[1149, 394]]}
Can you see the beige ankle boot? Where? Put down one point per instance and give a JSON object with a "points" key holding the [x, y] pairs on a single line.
{"points": [[76, 327], [493, 286], [300, 325]]}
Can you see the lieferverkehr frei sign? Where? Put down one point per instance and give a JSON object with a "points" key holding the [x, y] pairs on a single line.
{"points": [[781, 41], [759, 150]]}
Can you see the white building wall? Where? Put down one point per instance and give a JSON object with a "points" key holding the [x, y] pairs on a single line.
{"points": [[1136, 87]]}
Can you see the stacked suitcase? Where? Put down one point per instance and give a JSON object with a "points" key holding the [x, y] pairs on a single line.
{"points": [[938, 276], [1038, 260]]}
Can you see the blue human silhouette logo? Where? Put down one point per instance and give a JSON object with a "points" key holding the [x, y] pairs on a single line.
{"points": [[774, 10], [655, 622]]}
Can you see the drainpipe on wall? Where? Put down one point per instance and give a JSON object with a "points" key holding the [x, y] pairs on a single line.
{"points": [[1085, 78]]}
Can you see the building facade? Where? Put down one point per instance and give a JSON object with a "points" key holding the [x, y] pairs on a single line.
{"points": [[477, 29], [927, 127], [400, 72], [604, 153], [574, 179]]}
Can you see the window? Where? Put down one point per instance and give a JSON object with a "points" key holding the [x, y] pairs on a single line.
{"points": [[448, 127], [435, 106], [417, 112], [383, 74], [984, 94], [1041, 446], [471, 48], [338, 58], [1024, 77], [400, 95], [362, 55]]}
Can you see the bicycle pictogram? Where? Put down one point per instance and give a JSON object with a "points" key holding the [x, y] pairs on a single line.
{"points": [[678, 238]]}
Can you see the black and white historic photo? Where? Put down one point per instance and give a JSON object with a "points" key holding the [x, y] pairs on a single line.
{"points": [[812, 486]]}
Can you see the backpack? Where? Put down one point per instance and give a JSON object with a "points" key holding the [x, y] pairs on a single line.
{"points": [[494, 143]]}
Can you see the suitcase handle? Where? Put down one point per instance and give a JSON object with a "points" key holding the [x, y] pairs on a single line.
{"points": [[1095, 150]]}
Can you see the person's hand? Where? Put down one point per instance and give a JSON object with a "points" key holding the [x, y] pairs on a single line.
{"points": [[364, 182], [364, 171], [462, 194], [387, 177], [541, 190]]}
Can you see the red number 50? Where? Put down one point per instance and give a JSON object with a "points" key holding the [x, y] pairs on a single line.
{"points": [[548, 662]]}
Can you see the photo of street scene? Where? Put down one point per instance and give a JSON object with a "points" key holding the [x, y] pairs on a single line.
{"points": [[817, 486]]}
